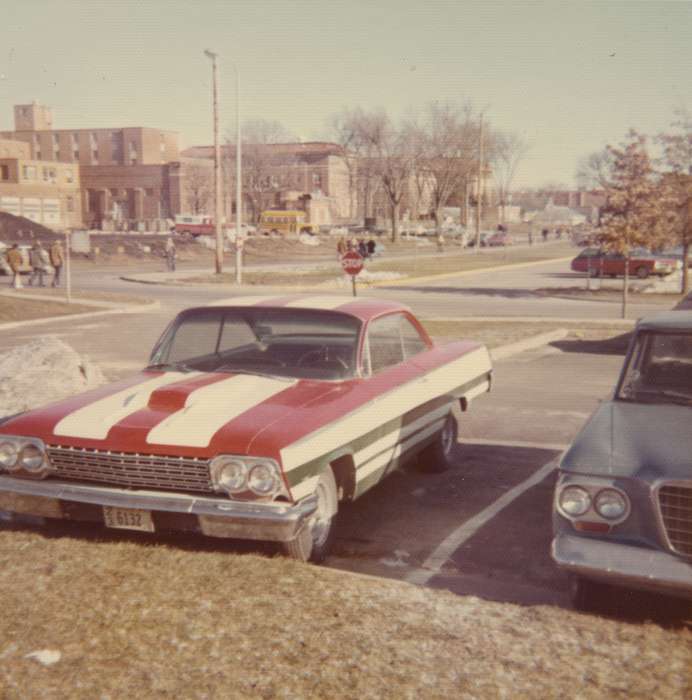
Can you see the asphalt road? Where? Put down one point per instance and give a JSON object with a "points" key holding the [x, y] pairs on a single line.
{"points": [[482, 528]]}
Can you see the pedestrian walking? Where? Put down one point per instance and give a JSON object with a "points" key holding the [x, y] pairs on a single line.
{"points": [[37, 260], [170, 254], [57, 260], [371, 247], [362, 248], [14, 260], [440, 242], [341, 246], [544, 233]]}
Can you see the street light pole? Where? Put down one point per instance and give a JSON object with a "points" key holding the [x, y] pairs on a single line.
{"points": [[217, 165], [238, 185]]}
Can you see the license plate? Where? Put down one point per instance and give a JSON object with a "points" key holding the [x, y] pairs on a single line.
{"points": [[128, 519]]}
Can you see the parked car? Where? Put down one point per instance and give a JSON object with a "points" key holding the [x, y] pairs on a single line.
{"points": [[500, 238], [255, 417], [483, 236], [597, 263], [623, 501]]}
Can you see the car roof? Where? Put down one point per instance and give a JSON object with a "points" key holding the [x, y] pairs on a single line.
{"points": [[668, 320], [359, 307]]}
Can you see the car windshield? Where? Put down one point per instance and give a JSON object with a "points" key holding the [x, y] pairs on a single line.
{"points": [[284, 342], [659, 369]]}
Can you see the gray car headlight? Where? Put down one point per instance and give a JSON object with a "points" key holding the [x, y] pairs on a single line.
{"points": [[611, 504], [228, 474], [23, 454], [9, 453], [574, 501], [263, 479]]}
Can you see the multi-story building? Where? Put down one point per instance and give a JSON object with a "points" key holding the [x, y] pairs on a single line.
{"points": [[125, 172], [315, 176], [42, 191]]}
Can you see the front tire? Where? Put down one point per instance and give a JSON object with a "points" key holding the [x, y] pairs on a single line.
{"points": [[642, 272], [314, 542], [437, 457]]}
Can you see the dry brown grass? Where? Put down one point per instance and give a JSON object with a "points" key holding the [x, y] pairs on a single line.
{"points": [[16, 309], [494, 333], [457, 260], [132, 619]]}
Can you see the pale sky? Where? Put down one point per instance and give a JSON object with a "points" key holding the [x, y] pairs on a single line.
{"points": [[569, 76]]}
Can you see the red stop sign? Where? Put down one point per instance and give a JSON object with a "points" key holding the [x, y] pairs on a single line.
{"points": [[352, 262]]}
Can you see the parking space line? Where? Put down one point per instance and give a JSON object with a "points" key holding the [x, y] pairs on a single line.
{"points": [[515, 443], [433, 564]]}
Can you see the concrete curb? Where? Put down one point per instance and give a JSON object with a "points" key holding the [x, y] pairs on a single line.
{"points": [[625, 323], [535, 341], [464, 273], [129, 309]]}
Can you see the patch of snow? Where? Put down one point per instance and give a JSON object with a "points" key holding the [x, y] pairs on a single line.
{"points": [[47, 657], [43, 371], [663, 285], [308, 239]]}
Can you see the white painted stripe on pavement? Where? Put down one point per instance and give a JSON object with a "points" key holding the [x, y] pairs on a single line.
{"points": [[560, 446], [210, 407], [432, 565], [94, 420]]}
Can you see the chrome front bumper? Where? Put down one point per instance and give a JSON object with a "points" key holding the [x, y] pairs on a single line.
{"points": [[621, 564], [217, 517]]}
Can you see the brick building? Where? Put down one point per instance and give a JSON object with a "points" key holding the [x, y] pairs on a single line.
{"points": [[46, 192], [125, 173]]}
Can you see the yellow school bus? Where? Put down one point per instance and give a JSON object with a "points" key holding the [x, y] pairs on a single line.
{"points": [[285, 222]]}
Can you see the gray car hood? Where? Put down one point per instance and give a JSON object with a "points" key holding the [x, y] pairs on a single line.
{"points": [[633, 439]]}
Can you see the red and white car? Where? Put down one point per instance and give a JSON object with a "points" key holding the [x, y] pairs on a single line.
{"points": [[254, 418]]}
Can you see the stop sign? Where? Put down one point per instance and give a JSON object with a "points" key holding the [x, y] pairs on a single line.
{"points": [[352, 262]]}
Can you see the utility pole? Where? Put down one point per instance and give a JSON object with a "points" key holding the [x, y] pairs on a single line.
{"points": [[238, 185], [217, 166], [479, 192]]}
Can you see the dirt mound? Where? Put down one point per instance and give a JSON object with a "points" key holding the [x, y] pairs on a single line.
{"points": [[43, 371], [18, 229]]}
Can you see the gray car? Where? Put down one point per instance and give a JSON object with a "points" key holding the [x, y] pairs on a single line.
{"points": [[622, 510]]}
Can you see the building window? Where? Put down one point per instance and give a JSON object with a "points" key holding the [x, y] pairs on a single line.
{"points": [[38, 155], [28, 172], [75, 154], [95, 156], [114, 192], [75, 140], [70, 203], [149, 191], [316, 180], [4, 172], [68, 175]]}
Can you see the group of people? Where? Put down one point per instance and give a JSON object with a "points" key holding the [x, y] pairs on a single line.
{"points": [[366, 249], [40, 260]]}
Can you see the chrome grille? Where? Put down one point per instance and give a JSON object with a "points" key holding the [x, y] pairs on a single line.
{"points": [[675, 503], [130, 469]]}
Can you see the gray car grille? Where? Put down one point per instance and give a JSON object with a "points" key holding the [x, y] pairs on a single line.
{"points": [[675, 503], [130, 469]]}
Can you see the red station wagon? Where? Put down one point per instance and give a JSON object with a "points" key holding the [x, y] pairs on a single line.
{"points": [[597, 263]]}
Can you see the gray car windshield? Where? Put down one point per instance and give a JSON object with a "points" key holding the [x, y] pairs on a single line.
{"points": [[659, 369], [283, 342]]}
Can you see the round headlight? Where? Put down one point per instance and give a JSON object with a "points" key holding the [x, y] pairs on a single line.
{"points": [[8, 455], [262, 480], [31, 458], [574, 501], [231, 476], [610, 504]]}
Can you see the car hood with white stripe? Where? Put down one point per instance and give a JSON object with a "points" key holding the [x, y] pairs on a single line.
{"points": [[188, 414]]}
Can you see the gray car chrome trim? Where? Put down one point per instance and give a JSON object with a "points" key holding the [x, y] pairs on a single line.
{"points": [[622, 564], [656, 504], [272, 514]]}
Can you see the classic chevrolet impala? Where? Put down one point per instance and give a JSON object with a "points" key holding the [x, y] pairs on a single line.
{"points": [[623, 501], [254, 418]]}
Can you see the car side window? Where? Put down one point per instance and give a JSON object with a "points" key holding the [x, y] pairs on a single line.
{"points": [[391, 340]]}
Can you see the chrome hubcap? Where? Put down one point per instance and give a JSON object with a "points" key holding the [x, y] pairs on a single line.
{"points": [[321, 518]]}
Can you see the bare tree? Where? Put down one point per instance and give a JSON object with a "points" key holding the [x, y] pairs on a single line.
{"points": [[448, 139], [677, 149], [260, 161], [594, 170], [199, 187], [509, 149]]}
